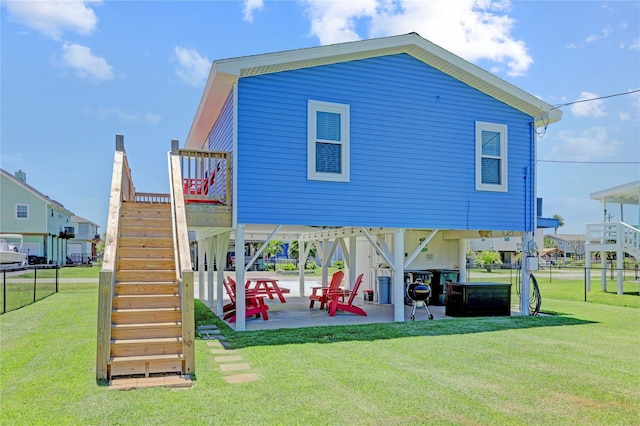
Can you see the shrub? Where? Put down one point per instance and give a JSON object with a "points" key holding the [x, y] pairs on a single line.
{"points": [[338, 264], [311, 265], [289, 267]]}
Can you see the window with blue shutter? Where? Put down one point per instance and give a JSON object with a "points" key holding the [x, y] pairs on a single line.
{"points": [[491, 157], [328, 141]]}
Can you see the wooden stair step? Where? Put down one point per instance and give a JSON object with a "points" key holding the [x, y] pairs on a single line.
{"points": [[148, 346], [144, 242], [132, 301], [146, 330], [145, 263], [147, 287], [132, 316], [147, 253], [150, 275], [145, 364], [146, 232]]}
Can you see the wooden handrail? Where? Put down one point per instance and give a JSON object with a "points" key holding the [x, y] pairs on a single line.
{"points": [[122, 189], [182, 254]]}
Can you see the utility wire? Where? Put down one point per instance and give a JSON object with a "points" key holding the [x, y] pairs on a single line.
{"points": [[542, 132], [596, 99], [588, 162]]}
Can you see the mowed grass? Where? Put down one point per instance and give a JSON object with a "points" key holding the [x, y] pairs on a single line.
{"points": [[577, 368]]}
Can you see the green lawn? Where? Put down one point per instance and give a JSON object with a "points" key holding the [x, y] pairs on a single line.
{"points": [[577, 368]]}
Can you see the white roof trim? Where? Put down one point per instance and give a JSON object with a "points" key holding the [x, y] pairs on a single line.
{"points": [[628, 193], [225, 73]]}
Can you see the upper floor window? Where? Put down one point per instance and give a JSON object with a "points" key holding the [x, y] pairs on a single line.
{"points": [[22, 211], [491, 157], [327, 141]]}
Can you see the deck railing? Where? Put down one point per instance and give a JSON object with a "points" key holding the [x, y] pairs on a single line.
{"points": [[206, 175]]}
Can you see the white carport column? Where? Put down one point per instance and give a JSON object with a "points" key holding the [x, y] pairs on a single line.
{"points": [[528, 254], [462, 260], [398, 275], [241, 313], [202, 248], [222, 246], [211, 250]]}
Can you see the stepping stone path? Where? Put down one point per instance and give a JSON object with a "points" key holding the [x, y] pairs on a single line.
{"points": [[228, 359]]}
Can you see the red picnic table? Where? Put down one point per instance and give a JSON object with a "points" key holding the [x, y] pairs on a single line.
{"points": [[266, 286]]}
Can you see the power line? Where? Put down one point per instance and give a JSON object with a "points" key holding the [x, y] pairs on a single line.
{"points": [[596, 98], [588, 162]]}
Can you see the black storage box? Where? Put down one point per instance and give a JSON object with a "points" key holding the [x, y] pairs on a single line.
{"points": [[478, 299]]}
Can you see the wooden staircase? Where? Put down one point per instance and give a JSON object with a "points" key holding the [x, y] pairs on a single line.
{"points": [[146, 319]]}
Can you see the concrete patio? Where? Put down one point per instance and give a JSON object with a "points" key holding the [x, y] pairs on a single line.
{"points": [[295, 313]]}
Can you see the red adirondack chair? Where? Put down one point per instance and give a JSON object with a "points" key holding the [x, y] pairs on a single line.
{"points": [[254, 304], [336, 300], [319, 294]]}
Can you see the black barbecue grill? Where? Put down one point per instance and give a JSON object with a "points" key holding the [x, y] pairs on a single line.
{"points": [[419, 293]]}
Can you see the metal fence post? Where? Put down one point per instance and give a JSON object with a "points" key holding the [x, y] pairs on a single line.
{"points": [[586, 271], [4, 291], [35, 276], [57, 269]]}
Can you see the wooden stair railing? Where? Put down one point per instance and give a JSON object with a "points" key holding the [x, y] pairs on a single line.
{"points": [[145, 318]]}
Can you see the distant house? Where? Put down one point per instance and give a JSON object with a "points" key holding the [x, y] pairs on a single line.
{"points": [[44, 223], [570, 244], [82, 247]]}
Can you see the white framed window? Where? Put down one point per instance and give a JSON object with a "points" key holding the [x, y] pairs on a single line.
{"points": [[327, 141], [491, 157], [22, 211]]}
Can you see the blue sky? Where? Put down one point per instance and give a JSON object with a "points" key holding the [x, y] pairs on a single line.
{"points": [[76, 73]]}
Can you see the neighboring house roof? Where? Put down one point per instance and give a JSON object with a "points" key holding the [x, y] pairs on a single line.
{"points": [[550, 250], [622, 194], [35, 192], [225, 73], [78, 219], [566, 237]]}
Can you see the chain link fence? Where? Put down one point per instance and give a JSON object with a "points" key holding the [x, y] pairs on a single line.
{"points": [[23, 286], [611, 285]]}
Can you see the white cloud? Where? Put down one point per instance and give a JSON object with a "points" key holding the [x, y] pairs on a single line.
{"points": [[588, 145], [123, 116], [472, 29], [588, 108], [52, 18], [595, 37], [84, 63], [635, 44], [192, 68], [251, 6]]}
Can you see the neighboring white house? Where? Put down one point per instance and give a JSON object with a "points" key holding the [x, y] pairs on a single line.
{"points": [[82, 247]]}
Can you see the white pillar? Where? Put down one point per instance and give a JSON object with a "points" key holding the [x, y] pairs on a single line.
{"points": [[302, 260], [525, 291], [620, 265], [211, 249], [240, 291], [352, 262], [462, 259], [202, 247], [398, 276], [325, 262], [221, 263]]}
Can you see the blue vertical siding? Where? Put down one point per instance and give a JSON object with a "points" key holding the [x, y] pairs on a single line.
{"points": [[221, 135], [412, 150]]}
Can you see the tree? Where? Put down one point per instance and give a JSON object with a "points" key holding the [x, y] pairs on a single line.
{"points": [[488, 258], [560, 222], [294, 251], [550, 242]]}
